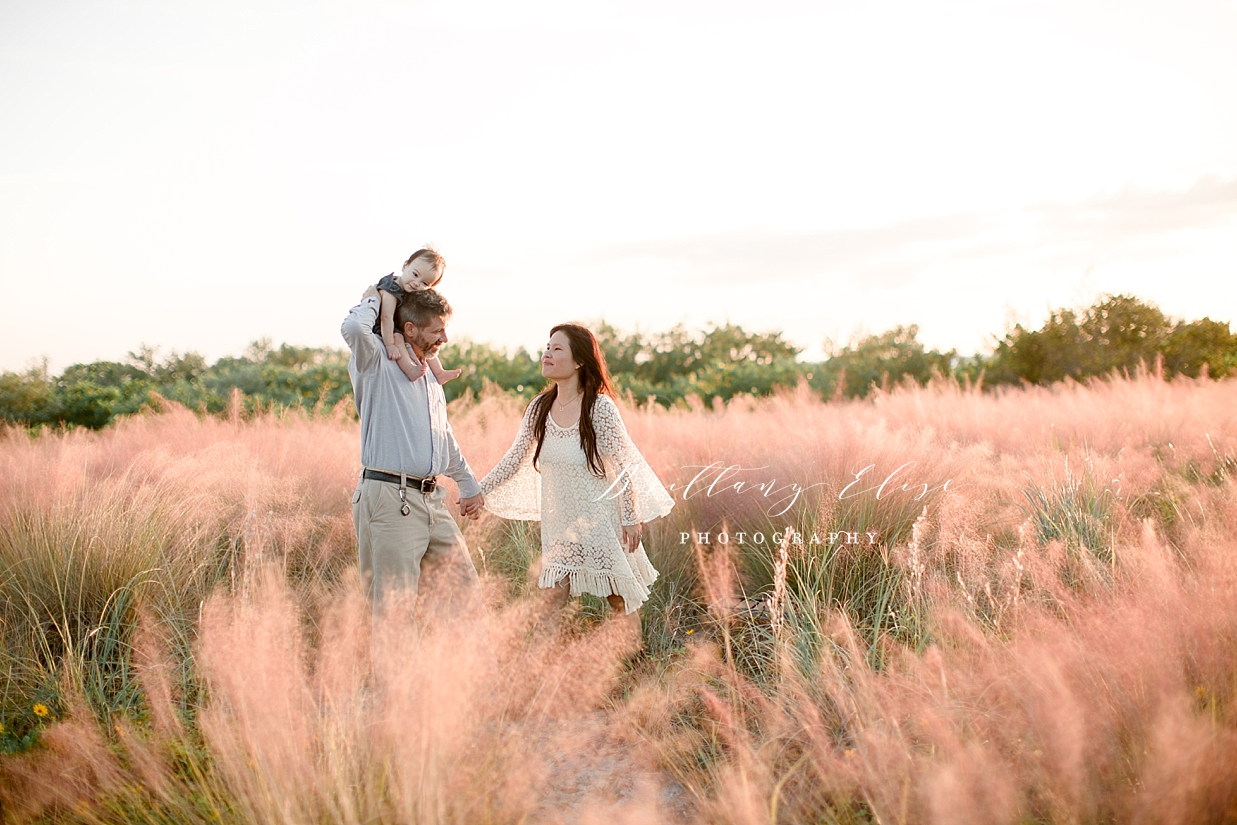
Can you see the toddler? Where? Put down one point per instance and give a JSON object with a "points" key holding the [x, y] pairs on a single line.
{"points": [[422, 270]]}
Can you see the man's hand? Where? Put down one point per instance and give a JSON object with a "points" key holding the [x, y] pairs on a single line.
{"points": [[372, 292], [471, 507]]}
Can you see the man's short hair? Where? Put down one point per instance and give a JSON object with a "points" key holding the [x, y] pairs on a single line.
{"points": [[419, 308]]}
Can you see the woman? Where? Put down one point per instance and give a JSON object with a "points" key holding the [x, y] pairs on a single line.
{"points": [[595, 490]]}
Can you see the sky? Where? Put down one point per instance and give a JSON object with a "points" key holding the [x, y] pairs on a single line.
{"points": [[199, 175]]}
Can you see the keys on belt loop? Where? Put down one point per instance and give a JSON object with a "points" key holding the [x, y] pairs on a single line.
{"points": [[404, 507]]}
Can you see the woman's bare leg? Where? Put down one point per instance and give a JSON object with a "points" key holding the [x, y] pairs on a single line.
{"points": [[630, 622], [558, 595], [554, 599]]}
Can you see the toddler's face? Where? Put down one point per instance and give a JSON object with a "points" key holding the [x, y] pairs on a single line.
{"points": [[420, 274]]}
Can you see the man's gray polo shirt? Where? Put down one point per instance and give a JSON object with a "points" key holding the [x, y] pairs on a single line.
{"points": [[404, 426]]}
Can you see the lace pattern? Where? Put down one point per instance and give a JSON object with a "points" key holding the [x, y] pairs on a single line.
{"points": [[582, 515], [513, 488]]}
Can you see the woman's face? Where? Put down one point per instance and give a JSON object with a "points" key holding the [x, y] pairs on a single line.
{"points": [[556, 361]]}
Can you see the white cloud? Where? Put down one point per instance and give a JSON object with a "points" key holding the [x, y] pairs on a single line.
{"points": [[202, 175], [892, 255]]}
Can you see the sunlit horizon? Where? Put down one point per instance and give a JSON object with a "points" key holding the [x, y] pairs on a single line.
{"points": [[197, 178]]}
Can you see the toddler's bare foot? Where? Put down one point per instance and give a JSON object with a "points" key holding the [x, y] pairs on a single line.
{"points": [[412, 368]]}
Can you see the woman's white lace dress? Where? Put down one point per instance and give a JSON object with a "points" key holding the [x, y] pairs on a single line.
{"points": [[582, 515]]}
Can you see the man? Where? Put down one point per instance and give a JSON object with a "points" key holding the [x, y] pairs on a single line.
{"points": [[399, 509]]}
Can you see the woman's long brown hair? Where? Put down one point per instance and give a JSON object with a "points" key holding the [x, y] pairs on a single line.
{"points": [[594, 380]]}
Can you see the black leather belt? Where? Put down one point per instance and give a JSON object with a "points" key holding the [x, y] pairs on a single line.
{"points": [[422, 485]]}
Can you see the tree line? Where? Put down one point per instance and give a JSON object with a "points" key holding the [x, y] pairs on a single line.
{"points": [[722, 361]]}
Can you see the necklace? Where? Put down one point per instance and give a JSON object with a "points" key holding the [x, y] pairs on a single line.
{"points": [[563, 406]]}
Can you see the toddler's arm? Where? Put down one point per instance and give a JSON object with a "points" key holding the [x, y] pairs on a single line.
{"points": [[386, 321]]}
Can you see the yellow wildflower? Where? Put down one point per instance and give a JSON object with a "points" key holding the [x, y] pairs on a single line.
{"points": [[1, 727], [691, 631], [40, 710]]}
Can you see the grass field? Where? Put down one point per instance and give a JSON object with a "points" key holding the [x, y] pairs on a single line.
{"points": [[988, 607]]}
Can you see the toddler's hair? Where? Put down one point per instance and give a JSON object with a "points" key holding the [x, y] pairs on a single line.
{"points": [[428, 251]]}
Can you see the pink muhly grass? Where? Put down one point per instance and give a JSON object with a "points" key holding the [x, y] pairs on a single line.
{"points": [[456, 720], [1017, 674]]}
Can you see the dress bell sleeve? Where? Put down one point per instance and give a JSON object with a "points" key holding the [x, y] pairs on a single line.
{"points": [[641, 494], [513, 488]]}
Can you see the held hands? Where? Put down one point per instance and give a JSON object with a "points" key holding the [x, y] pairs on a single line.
{"points": [[631, 537], [372, 292], [471, 507]]}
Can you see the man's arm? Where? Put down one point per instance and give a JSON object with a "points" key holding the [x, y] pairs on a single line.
{"points": [[358, 331], [458, 469]]}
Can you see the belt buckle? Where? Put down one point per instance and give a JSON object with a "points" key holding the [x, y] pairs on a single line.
{"points": [[427, 485]]}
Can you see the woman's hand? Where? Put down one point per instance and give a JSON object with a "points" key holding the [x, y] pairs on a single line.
{"points": [[471, 507], [631, 536]]}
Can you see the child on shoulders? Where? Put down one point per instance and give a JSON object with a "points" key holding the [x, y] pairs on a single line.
{"points": [[423, 270]]}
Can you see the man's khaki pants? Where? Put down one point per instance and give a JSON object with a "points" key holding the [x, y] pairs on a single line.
{"points": [[394, 550]]}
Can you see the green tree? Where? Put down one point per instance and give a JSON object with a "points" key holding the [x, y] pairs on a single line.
{"points": [[267, 377], [1204, 343], [91, 395], [1116, 333], [879, 360], [518, 372], [27, 397], [719, 362]]}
